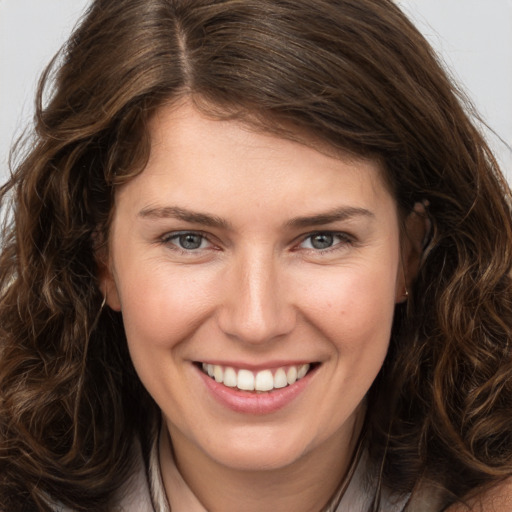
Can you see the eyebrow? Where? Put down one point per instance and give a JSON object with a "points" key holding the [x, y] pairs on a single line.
{"points": [[175, 212], [336, 215]]}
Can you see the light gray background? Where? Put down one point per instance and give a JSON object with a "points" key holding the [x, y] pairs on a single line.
{"points": [[473, 36]]}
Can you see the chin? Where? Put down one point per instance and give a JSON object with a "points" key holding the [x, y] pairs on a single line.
{"points": [[258, 460], [267, 452]]}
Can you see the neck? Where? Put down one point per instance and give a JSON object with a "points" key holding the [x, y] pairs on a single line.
{"points": [[305, 485]]}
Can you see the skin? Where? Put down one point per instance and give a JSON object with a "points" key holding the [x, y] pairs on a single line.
{"points": [[256, 293]]}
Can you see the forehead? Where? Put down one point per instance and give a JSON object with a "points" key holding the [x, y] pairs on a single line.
{"points": [[181, 116], [195, 158]]}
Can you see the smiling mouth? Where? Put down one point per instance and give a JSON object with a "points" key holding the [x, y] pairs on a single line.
{"points": [[262, 381]]}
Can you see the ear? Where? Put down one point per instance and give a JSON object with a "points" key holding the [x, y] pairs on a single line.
{"points": [[107, 281], [417, 227]]}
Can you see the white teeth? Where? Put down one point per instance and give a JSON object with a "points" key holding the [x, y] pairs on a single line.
{"points": [[280, 379], [263, 380], [218, 374], [230, 379], [303, 369], [291, 375], [245, 380]]}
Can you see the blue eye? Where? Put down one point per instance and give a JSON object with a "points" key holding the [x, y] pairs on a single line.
{"points": [[324, 240], [187, 241], [190, 241]]}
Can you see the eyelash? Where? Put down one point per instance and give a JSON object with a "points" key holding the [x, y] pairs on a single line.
{"points": [[345, 239]]}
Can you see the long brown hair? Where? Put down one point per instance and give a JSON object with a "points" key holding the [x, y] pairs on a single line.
{"points": [[354, 74]]}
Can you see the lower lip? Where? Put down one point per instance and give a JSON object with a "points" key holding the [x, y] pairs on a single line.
{"points": [[255, 403]]}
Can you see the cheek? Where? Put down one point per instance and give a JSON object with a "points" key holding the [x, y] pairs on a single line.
{"points": [[356, 315], [354, 311], [161, 311], [160, 308], [352, 302]]}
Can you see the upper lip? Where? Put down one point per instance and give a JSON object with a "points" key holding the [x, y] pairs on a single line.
{"points": [[269, 365]]}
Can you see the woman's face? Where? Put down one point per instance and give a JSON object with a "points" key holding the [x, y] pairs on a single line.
{"points": [[259, 259]]}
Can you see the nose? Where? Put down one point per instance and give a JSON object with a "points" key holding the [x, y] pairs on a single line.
{"points": [[256, 308]]}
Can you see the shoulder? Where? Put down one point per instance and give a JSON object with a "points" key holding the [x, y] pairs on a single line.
{"points": [[495, 499]]}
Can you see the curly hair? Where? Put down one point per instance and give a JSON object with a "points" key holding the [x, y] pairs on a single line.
{"points": [[354, 74]]}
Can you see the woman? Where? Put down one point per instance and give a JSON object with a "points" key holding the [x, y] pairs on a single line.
{"points": [[259, 258]]}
